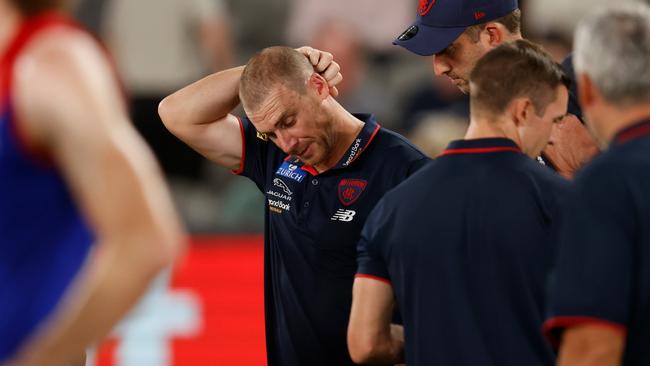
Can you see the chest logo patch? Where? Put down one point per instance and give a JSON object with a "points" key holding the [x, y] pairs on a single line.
{"points": [[282, 185], [343, 215], [291, 171], [350, 189]]}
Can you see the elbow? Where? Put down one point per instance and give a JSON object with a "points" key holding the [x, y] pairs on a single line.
{"points": [[363, 349], [168, 246], [159, 251]]}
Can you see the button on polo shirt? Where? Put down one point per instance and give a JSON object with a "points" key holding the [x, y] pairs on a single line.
{"points": [[466, 244], [313, 222], [603, 274]]}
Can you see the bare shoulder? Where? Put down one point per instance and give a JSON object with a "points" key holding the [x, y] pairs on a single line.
{"points": [[63, 77], [64, 43]]}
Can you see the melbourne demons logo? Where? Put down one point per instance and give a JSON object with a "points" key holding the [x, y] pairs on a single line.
{"points": [[425, 6], [350, 190]]}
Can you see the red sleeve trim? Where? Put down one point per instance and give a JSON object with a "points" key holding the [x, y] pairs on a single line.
{"points": [[376, 278], [632, 134], [552, 325], [243, 148]]}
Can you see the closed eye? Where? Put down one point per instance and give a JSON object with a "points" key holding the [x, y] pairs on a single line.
{"points": [[559, 119], [288, 122]]}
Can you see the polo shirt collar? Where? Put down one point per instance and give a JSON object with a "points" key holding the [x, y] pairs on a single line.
{"points": [[361, 142], [632, 132], [481, 146]]}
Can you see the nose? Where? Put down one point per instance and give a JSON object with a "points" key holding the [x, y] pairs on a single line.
{"points": [[440, 66], [555, 132], [286, 141]]}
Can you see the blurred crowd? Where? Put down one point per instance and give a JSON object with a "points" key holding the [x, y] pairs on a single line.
{"points": [[161, 45]]}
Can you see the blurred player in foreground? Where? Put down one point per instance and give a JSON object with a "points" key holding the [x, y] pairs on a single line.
{"points": [[465, 246], [458, 33], [85, 219], [322, 170], [600, 299]]}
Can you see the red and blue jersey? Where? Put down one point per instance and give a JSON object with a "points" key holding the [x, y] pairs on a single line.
{"points": [[603, 274], [313, 223], [467, 246], [43, 237]]}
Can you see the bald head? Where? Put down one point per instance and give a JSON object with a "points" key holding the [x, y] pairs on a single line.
{"points": [[272, 68]]}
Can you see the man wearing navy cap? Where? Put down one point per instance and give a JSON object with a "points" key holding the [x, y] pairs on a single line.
{"points": [[464, 246], [600, 298], [321, 169], [458, 33]]}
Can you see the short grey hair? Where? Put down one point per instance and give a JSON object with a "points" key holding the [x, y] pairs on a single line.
{"points": [[612, 46]]}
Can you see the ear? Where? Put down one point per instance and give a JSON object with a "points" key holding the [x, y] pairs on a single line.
{"points": [[318, 84], [587, 92], [521, 110], [493, 34]]}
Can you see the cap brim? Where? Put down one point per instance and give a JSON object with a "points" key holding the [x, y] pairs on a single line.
{"points": [[429, 40]]}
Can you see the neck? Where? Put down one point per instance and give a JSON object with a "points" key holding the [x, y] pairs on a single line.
{"points": [[345, 128], [480, 128], [615, 119], [9, 25]]}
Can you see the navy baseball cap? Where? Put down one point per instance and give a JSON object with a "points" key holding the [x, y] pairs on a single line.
{"points": [[440, 22], [573, 106]]}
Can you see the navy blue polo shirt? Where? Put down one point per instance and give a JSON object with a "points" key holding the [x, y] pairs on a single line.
{"points": [[467, 245], [313, 223], [603, 274]]}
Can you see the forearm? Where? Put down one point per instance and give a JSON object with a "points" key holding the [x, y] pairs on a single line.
{"points": [[207, 100], [395, 351], [137, 233], [110, 284]]}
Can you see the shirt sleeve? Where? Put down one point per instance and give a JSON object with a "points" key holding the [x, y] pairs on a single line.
{"points": [[593, 279], [258, 154], [371, 263]]}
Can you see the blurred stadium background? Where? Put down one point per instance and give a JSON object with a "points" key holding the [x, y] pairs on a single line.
{"points": [[208, 310]]}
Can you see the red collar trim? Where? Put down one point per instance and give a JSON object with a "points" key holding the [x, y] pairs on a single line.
{"points": [[479, 150], [633, 132]]}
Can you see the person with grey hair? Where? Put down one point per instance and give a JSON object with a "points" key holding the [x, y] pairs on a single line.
{"points": [[600, 303]]}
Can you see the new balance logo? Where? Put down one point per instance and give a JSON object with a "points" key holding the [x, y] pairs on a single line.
{"points": [[343, 215]]}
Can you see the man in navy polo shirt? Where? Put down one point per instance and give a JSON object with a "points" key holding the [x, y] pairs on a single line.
{"points": [[600, 298], [321, 169], [464, 246], [458, 33]]}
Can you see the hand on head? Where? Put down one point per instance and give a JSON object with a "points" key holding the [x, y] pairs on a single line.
{"points": [[324, 65]]}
